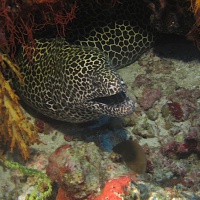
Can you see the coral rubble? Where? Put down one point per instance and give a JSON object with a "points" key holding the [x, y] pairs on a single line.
{"points": [[81, 170]]}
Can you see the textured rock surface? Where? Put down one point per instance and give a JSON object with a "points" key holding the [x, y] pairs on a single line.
{"points": [[172, 146], [81, 170]]}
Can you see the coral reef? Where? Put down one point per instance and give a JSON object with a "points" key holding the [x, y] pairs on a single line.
{"points": [[148, 98], [62, 195], [118, 189], [19, 21], [178, 111], [43, 187], [31, 2], [182, 149], [172, 16], [79, 170], [194, 32], [170, 142], [15, 129], [175, 16], [168, 130]]}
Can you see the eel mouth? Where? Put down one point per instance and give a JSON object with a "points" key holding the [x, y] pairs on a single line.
{"points": [[116, 105], [112, 100]]}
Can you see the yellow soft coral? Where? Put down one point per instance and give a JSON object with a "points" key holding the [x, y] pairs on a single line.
{"points": [[15, 129], [195, 4]]}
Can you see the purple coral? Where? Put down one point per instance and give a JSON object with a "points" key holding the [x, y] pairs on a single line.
{"points": [[149, 96]]}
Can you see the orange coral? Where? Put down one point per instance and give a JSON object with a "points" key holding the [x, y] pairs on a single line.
{"points": [[195, 4], [62, 195], [15, 129], [115, 189], [194, 33]]}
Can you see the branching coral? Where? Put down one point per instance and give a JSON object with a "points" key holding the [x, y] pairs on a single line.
{"points": [[21, 21], [15, 129]]}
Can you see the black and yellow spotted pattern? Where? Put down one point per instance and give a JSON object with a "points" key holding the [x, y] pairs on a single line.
{"points": [[122, 32], [64, 81], [121, 41], [77, 81]]}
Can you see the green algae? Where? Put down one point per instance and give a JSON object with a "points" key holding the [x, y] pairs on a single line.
{"points": [[43, 180]]}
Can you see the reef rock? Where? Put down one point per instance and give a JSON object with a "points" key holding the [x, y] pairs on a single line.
{"points": [[82, 169]]}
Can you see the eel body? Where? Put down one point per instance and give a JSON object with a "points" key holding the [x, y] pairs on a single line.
{"points": [[76, 80]]}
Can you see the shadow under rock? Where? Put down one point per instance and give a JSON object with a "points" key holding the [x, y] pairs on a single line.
{"points": [[105, 132], [177, 47]]}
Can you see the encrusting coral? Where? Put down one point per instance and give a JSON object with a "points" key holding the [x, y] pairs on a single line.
{"points": [[15, 129]]}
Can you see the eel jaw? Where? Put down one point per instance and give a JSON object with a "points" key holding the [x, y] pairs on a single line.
{"points": [[115, 105]]}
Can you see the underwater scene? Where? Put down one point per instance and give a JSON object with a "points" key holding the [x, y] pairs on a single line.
{"points": [[100, 100]]}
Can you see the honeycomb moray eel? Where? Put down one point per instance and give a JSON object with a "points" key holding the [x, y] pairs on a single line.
{"points": [[122, 32], [77, 81]]}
